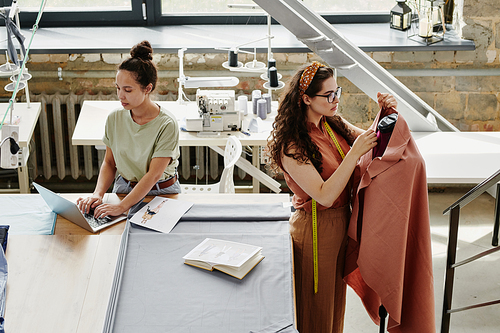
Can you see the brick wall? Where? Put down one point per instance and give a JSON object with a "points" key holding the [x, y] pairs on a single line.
{"points": [[469, 99], [465, 88]]}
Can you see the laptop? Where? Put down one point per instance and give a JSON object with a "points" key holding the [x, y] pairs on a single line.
{"points": [[69, 210]]}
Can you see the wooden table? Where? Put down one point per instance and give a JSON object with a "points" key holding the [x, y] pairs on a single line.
{"points": [[61, 283]]}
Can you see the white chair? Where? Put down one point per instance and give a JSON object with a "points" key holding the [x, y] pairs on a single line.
{"points": [[232, 153]]}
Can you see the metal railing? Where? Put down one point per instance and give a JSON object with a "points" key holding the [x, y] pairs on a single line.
{"points": [[454, 211]]}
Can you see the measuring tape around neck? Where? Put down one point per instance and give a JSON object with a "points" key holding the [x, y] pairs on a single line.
{"points": [[337, 144], [315, 214]]}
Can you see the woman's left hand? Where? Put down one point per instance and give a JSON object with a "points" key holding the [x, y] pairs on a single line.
{"points": [[386, 101], [108, 209]]}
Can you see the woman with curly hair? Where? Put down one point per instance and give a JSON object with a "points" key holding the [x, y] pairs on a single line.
{"points": [[141, 138], [317, 150]]}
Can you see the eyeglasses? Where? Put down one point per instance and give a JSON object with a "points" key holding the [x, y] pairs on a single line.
{"points": [[331, 96]]}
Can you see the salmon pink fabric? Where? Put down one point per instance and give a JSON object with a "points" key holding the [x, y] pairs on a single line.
{"points": [[389, 259]]}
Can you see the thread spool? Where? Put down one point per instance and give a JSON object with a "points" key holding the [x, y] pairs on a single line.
{"points": [[273, 77], [256, 95], [270, 63], [267, 97], [243, 104], [262, 108], [232, 59]]}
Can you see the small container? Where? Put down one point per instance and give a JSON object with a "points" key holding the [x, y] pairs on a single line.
{"points": [[270, 63], [267, 97], [256, 95], [273, 77], [232, 59], [243, 104], [262, 108]]}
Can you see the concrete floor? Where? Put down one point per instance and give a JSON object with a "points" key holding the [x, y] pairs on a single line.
{"points": [[475, 282]]}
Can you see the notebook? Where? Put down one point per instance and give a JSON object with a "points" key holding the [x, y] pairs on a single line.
{"points": [[69, 210]]}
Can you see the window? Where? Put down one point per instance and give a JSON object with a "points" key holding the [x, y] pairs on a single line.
{"points": [[320, 6], [175, 12], [77, 5], [218, 12], [80, 12]]}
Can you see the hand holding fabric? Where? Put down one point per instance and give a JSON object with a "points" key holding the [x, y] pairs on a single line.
{"points": [[364, 143]]}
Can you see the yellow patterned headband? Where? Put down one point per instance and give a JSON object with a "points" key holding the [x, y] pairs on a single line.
{"points": [[308, 75]]}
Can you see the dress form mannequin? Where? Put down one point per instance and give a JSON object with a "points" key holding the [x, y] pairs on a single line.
{"points": [[384, 132], [384, 127]]}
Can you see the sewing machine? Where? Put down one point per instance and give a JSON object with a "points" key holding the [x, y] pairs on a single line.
{"points": [[216, 112]]}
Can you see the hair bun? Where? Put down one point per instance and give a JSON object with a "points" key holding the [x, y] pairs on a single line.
{"points": [[143, 51]]}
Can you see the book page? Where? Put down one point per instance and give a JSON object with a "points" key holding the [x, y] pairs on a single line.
{"points": [[161, 214], [242, 271], [222, 252]]}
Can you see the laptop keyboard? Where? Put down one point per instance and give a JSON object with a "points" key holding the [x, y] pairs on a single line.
{"points": [[96, 222]]}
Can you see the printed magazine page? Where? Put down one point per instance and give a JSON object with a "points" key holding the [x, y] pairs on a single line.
{"points": [[161, 214]]}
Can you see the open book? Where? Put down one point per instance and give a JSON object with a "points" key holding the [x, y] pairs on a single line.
{"points": [[235, 259]]}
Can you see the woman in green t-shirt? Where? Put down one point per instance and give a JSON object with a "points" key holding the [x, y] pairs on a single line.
{"points": [[141, 138]]}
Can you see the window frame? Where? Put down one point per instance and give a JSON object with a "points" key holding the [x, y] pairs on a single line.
{"points": [[134, 17], [341, 18], [75, 18]]}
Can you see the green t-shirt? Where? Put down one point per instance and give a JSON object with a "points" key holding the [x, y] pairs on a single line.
{"points": [[134, 145]]}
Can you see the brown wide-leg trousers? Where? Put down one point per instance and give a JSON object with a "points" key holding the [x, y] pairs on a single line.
{"points": [[322, 312]]}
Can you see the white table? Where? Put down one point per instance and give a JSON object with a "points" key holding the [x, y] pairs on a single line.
{"points": [[29, 117], [450, 157], [459, 157], [89, 130]]}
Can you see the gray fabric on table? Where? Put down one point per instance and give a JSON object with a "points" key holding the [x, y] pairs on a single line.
{"points": [[231, 212], [282, 326], [115, 287], [159, 293], [274, 227], [237, 212], [229, 218], [154, 291]]}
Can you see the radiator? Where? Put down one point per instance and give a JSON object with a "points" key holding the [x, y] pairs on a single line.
{"points": [[53, 155]]}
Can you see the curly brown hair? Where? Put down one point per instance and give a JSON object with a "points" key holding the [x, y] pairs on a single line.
{"points": [[290, 125]]}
